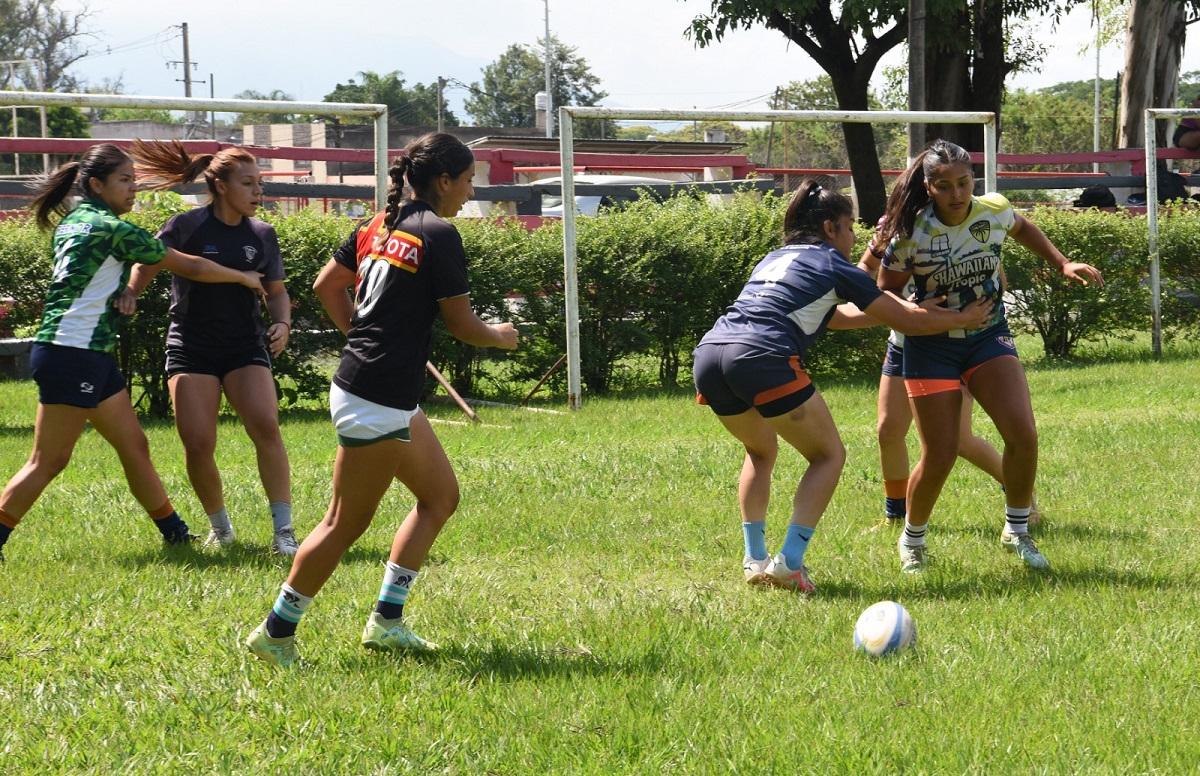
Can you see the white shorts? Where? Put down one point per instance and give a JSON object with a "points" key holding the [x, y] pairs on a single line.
{"points": [[360, 422]]}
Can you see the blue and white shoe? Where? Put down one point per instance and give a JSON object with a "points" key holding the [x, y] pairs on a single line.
{"points": [[392, 636], [276, 651], [1025, 549]]}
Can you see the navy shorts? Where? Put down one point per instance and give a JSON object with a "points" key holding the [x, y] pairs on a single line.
{"points": [[732, 378], [893, 360], [74, 376], [936, 364], [218, 363]]}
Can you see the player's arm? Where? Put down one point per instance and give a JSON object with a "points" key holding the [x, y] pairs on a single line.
{"points": [[892, 280], [465, 326], [279, 305], [203, 270], [927, 318], [332, 288], [1027, 233], [848, 316]]}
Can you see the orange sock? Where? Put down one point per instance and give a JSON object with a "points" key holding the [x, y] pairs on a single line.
{"points": [[8, 520], [164, 511]]}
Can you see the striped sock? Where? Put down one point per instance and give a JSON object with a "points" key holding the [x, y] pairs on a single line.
{"points": [[914, 535], [795, 542], [755, 536], [393, 593], [285, 615], [1016, 520], [281, 514]]}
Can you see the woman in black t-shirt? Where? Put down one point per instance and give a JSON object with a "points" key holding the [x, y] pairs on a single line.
{"points": [[406, 266], [217, 340]]}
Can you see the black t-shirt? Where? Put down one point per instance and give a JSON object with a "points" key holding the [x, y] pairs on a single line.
{"points": [[401, 277], [219, 315]]}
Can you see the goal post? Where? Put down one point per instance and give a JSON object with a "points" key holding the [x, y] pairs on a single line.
{"points": [[1152, 117], [378, 113], [568, 113]]}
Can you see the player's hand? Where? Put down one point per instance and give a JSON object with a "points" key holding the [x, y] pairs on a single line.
{"points": [[507, 334], [253, 281], [126, 303], [277, 337], [931, 302], [1079, 272], [977, 313]]}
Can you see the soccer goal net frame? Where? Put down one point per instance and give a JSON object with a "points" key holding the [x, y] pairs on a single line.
{"points": [[378, 113], [566, 123], [1152, 117]]}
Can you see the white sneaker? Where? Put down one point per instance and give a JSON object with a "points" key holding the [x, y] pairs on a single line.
{"points": [[755, 570], [393, 636], [779, 574], [281, 652], [912, 559], [1026, 550], [284, 542], [220, 537]]}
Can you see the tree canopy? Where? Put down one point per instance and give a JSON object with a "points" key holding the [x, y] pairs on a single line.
{"points": [[505, 95], [414, 105]]}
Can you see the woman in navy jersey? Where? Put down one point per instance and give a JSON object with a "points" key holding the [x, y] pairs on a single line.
{"points": [[77, 377], [948, 243], [406, 267], [749, 369], [217, 341]]}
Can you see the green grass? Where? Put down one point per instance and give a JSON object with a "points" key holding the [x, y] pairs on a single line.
{"points": [[589, 604]]}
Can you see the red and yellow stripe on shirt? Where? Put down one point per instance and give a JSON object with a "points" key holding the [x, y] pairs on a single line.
{"points": [[398, 248]]}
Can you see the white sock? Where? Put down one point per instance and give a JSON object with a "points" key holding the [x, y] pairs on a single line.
{"points": [[281, 515], [219, 520], [914, 535], [1016, 520]]}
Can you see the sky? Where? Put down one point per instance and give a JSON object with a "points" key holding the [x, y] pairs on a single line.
{"points": [[643, 60]]}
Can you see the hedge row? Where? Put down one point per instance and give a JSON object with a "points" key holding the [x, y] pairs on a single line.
{"points": [[652, 277]]}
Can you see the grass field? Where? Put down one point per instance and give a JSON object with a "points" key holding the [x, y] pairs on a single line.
{"points": [[589, 602]]}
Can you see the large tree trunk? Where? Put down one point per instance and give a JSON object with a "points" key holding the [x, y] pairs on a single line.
{"points": [[1137, 84], [860, 149], [1172, 29], [948, 77]]}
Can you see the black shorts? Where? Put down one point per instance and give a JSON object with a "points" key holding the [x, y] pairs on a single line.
{"points": [[893, 360], [74, 376], [938, 363], [215, 362], [732, 378]]}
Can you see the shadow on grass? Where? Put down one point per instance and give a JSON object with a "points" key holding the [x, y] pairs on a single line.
{"points": [[945, 580], [505, 662], [16, 431], [240, 555], [1048, 530]]}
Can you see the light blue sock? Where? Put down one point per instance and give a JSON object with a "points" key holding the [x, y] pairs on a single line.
{"points": [[795, 542], [281, 514], [755, 535]]}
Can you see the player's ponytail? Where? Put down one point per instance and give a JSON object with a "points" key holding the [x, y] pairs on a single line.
{"points": [[51, 191], [814, 203], [168, 164], [396, 175], [909, 196], [426, 158]]}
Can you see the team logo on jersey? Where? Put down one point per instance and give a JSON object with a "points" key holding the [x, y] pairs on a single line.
{"points": [[87, 388], [1007, 342], [210, 249], [939, 245], [981, 230], [400, 249], [250, 252]]}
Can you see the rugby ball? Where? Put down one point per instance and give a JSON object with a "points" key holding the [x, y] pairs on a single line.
{"points": [[883, 629]]}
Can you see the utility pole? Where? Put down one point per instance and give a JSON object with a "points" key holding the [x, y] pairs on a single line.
{"points": [[187, 65], [549, 84], [441, 88], [212, 115]]}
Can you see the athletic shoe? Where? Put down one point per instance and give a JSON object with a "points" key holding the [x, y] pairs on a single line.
{"points": [[277, 651], [182, 536], [755, 570], [219, 537], [912, 559], [284, 542], [381, 637], [780, 575], [1026, 550]]}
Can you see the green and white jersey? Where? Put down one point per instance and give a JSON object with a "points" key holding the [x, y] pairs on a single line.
{"points": [[93, 255], [959, 262]]}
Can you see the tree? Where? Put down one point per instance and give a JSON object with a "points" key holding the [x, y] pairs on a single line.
{"points": [[1154, 36], [38, 31], [846, 47], [505, 96], [407, 106], [275, 95]]}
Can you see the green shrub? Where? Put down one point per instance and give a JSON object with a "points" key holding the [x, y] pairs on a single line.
{"points": [[1062, 312], [1179, 268]]}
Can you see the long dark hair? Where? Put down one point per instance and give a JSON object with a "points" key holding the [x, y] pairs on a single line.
{"points": [[51, 190], [909, 195], [814, 203], [169, 164], [424, 159]]}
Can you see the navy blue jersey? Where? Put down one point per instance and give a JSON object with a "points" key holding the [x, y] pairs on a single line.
{"points": [[402, 275], [219, 315], [790, 297]]}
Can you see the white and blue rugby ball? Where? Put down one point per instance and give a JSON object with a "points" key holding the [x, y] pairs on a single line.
{"points": [[884, 628]]}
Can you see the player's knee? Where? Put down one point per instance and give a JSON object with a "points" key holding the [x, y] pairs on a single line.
{"points": [[890, 430], [940, 459], [50, 465], [1022, 438], [199, 445]]}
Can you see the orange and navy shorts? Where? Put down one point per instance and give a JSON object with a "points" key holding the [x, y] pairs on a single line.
{"points": [[733, 377], [939, 363]]}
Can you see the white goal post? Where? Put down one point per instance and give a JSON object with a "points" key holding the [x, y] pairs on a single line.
{"points": [[1151, 119], [378, 113], [567, 114]]}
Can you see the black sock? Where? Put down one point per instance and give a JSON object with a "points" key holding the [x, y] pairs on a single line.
{"points": [[277, 627], [5, 532], [389, 611], [172, 528]]}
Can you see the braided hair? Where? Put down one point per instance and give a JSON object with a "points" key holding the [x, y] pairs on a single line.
{"points": [[424, 159]]}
